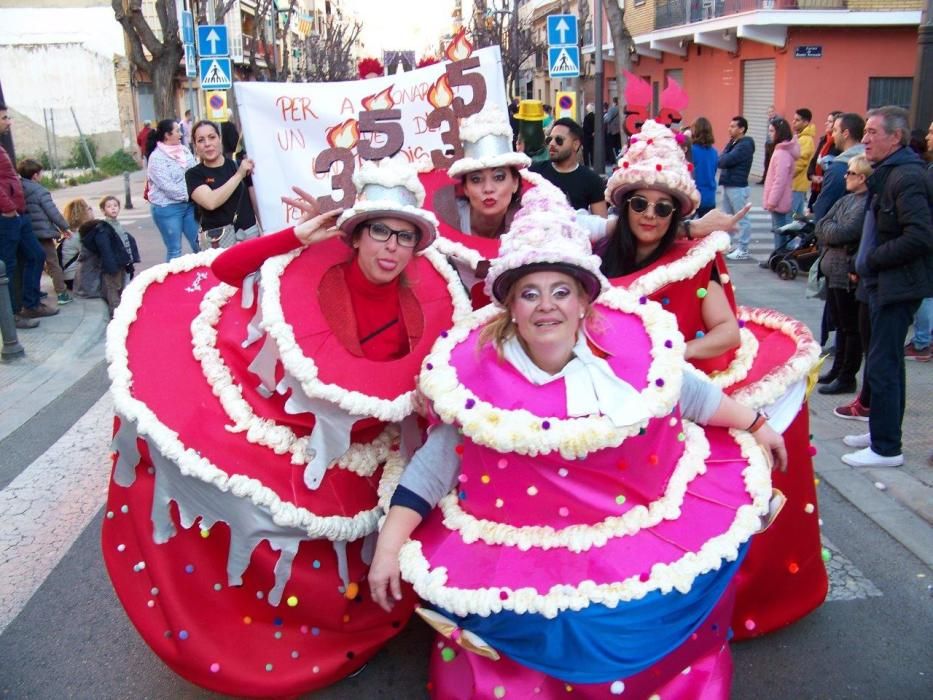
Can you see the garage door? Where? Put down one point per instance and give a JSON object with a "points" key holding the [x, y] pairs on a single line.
{"points": [[757, 96]]}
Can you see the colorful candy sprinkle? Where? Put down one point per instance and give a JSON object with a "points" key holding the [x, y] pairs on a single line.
{"points": [[701, 293], [292, 601], [448, 654]]}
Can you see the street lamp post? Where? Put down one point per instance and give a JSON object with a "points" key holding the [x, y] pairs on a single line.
{"points": [[921, 110]]}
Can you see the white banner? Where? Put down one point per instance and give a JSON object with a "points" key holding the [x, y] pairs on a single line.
{"points": [[314, 135]]}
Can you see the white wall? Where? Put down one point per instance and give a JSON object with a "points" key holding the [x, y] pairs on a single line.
{"points": [[60, 58]]}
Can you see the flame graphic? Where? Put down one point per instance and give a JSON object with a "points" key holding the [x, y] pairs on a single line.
{"points": [[637, 90], [673, 96], [459, 47], [440, 94], [381, 100], [345, 135]]}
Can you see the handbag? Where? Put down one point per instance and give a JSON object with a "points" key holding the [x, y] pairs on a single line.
{"points": [[816, 282], [226, 236]]}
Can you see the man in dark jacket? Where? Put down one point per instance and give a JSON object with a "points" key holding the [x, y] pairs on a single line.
{"points": [[895, 263], [735, 162], [848, 130], [17, 239]]}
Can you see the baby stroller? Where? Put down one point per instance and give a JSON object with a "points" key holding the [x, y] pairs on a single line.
{"points": [[800, 251]]}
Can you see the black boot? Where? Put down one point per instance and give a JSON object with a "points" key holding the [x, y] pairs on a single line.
{"points": [[839, 386]]}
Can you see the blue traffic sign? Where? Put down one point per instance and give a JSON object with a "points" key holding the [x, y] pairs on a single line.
{"points": [[562, 30], [216, 73], [563, 61], [191, 65], [187, 28], [212, 40]]}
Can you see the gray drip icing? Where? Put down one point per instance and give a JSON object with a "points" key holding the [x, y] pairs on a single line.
{"points": [[249, 524]]}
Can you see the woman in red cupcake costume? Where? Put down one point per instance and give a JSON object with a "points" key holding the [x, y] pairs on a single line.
{"points": [[596, 517], [256, 417], [758, 356]]}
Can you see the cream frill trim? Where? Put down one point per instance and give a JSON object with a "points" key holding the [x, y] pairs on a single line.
{"points": [[190, 462], [525, 433], [305, 370], [431, 584]]}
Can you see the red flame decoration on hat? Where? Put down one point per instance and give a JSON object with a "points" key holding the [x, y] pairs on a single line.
{"points": [[459, 47], [371, 68], [381, 100], [345, 135]]}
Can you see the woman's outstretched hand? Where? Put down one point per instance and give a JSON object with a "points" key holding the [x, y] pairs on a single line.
{"points": [[773, 444], [717, 220], [318, 228], [304, 202]]}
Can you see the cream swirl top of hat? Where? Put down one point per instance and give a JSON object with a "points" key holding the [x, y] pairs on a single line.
{"points": [[487, 143], [389, 187], [654, 160], [544, 233]]}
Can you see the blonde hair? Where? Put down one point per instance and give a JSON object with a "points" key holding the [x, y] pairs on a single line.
{"points": [[861, 165], [501, 329], [76, 213]]}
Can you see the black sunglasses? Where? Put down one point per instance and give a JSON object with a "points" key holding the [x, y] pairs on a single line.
{"points": [[639, 205], [559, 140], [381, 233]]}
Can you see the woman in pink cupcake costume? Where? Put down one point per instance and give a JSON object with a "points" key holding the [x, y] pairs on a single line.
{"points": [[574, 521]]}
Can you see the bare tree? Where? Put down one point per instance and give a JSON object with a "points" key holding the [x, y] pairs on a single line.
{"points": [[621, 41], [165, 55], [498, 24], [328, 56]]}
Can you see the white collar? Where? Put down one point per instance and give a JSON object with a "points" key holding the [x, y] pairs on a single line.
{"points": [[591, 385]]}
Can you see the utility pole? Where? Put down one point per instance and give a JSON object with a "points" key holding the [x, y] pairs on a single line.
{"points": [[921, 103], [599, 135]]}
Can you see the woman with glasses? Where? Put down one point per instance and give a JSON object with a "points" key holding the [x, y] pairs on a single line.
{"points": [[759, 356], [839, 233], [272, 409]]}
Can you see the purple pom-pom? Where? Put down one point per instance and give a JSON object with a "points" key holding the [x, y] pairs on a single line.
{"points": [[470, 403]]}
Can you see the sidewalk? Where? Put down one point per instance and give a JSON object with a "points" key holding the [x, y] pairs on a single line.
{"points": [[67, 346]]}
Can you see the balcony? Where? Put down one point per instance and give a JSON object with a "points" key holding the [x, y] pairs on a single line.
{"points": [[674, 13]]}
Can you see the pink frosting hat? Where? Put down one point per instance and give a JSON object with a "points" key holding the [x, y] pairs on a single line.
{"points": [[544, 235], [654, 160]]}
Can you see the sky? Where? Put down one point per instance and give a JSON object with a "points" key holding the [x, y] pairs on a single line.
{"points": [[402, 24]]}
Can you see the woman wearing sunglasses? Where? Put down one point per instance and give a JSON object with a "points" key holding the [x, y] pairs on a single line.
{"points": [[763, 360], [654, 191], [271, 413]]}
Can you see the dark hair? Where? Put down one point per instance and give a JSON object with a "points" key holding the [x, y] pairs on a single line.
{"points": [[804, 113], [3, 107], [618, 256], [162, 129], [105, 199], [917, 143], [575, 129], [28, 168], [702, 132], [205, 122], [741, 122], [853, 123], [782, 130]]}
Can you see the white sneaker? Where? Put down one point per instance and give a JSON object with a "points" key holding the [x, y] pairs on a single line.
{"points": [[738, 254], [858, 441], [868, 458]]}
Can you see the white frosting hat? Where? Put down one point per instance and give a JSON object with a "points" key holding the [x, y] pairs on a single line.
{"points": [[487, 143], [544, 236], [654, 160], [389, 188]]}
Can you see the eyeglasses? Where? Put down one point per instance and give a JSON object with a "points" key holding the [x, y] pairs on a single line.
{"points": [[639, 205], [381, 233], [851, 173], [559, 140]]}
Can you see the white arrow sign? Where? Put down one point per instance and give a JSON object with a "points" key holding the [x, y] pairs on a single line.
{"points": [[562, 28], [212, 38]]}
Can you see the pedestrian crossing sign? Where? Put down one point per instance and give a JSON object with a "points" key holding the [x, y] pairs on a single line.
{"points": [[564, 61], [216, 73]]}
